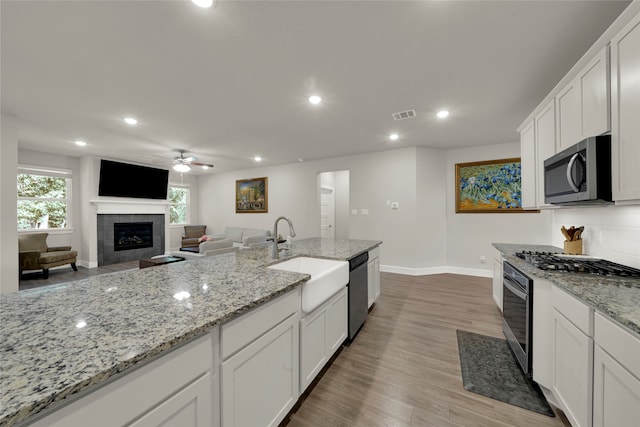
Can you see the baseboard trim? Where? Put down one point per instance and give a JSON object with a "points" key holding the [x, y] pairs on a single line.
{"points": [[87, 264], [426, 271]]}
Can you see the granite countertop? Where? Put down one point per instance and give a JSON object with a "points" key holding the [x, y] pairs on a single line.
{"points": [[59, 340], [615, 297]]}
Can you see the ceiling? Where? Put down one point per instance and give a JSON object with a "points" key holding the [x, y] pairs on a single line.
{"points": [[232, 82]]}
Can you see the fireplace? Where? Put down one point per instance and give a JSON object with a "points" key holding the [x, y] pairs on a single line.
{"points": [[129, 237], [132, 235]]}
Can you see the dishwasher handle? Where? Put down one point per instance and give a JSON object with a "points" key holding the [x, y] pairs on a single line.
{"points": [[357, 261]]}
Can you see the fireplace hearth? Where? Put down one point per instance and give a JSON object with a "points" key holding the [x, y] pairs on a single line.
{"points": [[132, 235]]}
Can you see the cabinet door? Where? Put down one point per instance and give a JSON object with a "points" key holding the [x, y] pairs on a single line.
{"points": [[545, 131], [371, 291], [573, 366], [616, 393], [528, 166], [191, 407], [497, 282], [260, 382], [569, 116], [625, 111], [542, 346], [595, 99], [313, 345], [337, 321]]}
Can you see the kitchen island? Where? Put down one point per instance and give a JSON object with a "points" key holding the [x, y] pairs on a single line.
{"points": [[62, 342]]}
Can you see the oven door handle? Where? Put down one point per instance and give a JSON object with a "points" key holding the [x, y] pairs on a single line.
{"points": [[519, 292]]}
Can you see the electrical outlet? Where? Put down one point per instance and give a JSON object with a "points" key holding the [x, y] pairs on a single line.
{"points": [[354, 211], [395, 205], [483, 259], [388, 202]]}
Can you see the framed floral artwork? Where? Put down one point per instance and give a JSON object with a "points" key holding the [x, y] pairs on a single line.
{"points": [[492, 186], [252, 195]]}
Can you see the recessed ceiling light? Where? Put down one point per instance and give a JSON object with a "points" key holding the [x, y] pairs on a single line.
{"points": [[130, 121], [203, 3], [80, 143], [257, 158], [442, 114], [300, 159], [315, 99], [181, 167], [394, 136]]}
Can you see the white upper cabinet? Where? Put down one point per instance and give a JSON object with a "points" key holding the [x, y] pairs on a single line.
{"points": [[625, 113], [569, 121], [595, 96], [583, 105], [528, 166], [545, 132]]}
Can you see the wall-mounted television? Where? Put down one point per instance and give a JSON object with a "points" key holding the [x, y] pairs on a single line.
{"points": [[127, 180]]}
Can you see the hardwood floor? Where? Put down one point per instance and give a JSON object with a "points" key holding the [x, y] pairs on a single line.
{"points": [[403, 368], [31, 280]]}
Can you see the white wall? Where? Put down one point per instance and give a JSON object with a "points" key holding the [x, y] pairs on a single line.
{"points": [[8, 196], [342, 204], [293, 192], [469, 236], [610, 232]]}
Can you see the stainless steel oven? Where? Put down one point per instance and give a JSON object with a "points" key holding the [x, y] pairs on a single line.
{"points": [[517, 310]]}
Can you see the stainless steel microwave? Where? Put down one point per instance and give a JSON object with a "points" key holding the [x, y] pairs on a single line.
{"points": [[580, 174]]}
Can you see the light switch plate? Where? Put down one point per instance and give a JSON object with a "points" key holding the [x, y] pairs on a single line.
{"points": [[395, 205], [354, 211], [364, 211]]}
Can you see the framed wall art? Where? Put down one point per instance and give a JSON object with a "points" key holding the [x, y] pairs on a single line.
{"points": [[492, 186], [252, 195]]}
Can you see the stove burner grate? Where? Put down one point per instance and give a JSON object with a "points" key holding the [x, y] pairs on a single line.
{"points": [[549, 261]]}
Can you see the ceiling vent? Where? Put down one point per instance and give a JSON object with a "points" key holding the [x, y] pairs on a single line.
{"points": [[409, 114]]}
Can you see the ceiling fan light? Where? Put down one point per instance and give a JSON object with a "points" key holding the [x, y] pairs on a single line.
{"points": [[181, 167]]}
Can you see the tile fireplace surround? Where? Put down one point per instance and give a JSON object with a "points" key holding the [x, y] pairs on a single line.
{"points": [[106, 253]]}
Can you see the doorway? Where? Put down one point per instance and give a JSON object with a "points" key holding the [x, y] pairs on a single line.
{"points": [[333, 195]]}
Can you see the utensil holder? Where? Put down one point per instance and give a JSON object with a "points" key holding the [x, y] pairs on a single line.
{"points": [[573, 247]]}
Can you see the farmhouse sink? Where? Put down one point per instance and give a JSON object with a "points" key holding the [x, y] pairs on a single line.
{"points": [[327, 278]]}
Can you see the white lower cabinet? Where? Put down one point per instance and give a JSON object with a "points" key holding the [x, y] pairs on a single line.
{"points": [[573, 357], [176, 389], [373, 276], [497, 281], [616, 375], [322, 332], [259, 374]]}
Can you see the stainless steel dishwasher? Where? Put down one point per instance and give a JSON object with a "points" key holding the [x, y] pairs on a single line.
{"points": [[358, 293]]}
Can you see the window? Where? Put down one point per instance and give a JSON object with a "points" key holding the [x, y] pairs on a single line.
{"points": [[179, 205], [44, 198]]}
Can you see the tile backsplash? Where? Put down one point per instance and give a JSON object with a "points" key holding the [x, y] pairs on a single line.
{"points": [[610, 232]]}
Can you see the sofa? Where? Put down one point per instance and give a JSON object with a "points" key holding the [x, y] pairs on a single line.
{"points": [[242, 237], [209, 248]]}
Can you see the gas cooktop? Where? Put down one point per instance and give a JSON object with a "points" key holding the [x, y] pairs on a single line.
{"points": [[577, 264]]}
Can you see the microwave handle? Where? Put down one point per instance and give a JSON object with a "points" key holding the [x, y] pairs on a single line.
{"points": [[572, 184]]}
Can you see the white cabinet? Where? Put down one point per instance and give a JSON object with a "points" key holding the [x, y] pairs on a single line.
{"points": [[545, 133], [176, 389], [616, 385], [573, 357], [191, 407], [568, 116], [497, 280], [583, 105], [373, 275], [528, 166], [322, 332], [625, 113], [543, 368], [259, 374]]}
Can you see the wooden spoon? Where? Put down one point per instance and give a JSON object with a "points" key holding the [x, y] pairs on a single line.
{"points": [[564, 233]]}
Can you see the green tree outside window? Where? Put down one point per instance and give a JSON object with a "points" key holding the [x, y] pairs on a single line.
{"points": [[42, 201], [178, 205]]}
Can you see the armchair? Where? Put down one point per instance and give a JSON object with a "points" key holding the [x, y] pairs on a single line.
{"points": [[34, 254], [191, 235]]}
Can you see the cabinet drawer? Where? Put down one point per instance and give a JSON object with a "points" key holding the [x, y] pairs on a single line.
{"points": [[619, 343], [575, 311], [241, 331], [374, 253]]}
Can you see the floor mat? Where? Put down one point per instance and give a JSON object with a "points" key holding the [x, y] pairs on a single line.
{"points": [[490, 369]]}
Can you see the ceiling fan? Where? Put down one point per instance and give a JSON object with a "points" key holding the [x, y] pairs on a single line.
{"points": [[183, 164]]}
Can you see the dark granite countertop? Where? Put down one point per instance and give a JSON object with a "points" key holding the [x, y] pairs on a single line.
{"points": [[615, 297], [57, 341]]}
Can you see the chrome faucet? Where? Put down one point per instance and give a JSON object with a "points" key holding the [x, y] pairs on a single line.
{"points": [[292, 233]]}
